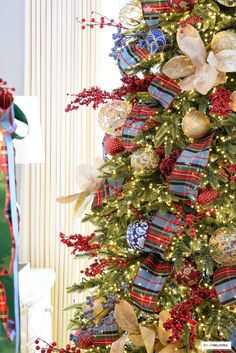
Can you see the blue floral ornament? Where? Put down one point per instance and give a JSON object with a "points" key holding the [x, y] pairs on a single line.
{"points": [[157, 41], [136, 235]]}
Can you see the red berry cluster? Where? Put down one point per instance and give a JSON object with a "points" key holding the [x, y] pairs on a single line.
{"points": [[220, 101], [6, 97], [98, 267], [181, 315], [101, 22], [229, 172], [191, 20], [134, 84], [167, 164], [80, 243], [53, 347], [94, 95]]}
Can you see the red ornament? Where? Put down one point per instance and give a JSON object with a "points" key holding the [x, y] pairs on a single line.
{"points": [[207, 196], [113, 146], [188, 275], [181, 5]]}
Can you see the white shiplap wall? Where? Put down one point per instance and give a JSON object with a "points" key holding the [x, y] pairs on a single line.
{"points": [[60, 58]]}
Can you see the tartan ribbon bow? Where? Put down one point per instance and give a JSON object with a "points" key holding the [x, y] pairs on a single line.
{"points": [[184, 180]]}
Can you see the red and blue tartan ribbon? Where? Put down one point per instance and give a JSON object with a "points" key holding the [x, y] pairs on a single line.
{"points": [[106, 332], [164, 89], [224, 280], [151, 8], [101, 335], [134, 123], [185, 178], [131, 56], [160, 233], [107, 190], [9, 229], [149, 282]]}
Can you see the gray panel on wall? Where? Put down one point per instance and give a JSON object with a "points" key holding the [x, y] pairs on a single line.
{"points": [[12, 29]]}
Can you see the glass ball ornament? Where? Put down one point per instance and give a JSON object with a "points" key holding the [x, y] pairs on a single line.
{"points": [[144, 161], [225, 40], [196, 124], [112, 116], [228, 3], [180, 5], [188, 275], [136, 234], [233, 101], [157, 41], [131, 14], [223, 246]]}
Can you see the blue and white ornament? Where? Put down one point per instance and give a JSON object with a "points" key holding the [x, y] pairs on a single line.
{"points": [[136, 235], [157, 41]]}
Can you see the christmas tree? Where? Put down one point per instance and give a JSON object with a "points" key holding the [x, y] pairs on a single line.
{"points": [[163, 271]]}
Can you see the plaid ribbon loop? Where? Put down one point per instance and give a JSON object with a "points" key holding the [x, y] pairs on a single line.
{"points": [[108, 189], [101, 335], [224, 280], [149, 282], [164, 89], [130, 57], [154, 271], [161, 231], [134, 123], [185, 177]]}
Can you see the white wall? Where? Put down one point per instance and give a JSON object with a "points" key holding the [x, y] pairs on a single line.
{"points": [[12, 43]]}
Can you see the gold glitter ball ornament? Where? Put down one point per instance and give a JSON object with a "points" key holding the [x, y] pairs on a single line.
{"points": [[195, 124], [144, 161], [112, 116], [98, 310], [228, 3], [225, 40], [233, 101], [131, 14], [223, 246]]}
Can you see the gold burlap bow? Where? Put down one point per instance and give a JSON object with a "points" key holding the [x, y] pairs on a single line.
{"points": [[201, 69], [139, 335], [88, 181]]}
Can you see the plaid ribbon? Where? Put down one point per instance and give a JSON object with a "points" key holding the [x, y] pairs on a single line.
{"points": [[129, 57], [9, 290], [83, 338], [3, 306], [224, 280], [105, 333], [186, 175], [134, 123], [152, 7], [232, 338], [100, 335], [161, 232], [149, 282], [108, 189], [164, 89]]}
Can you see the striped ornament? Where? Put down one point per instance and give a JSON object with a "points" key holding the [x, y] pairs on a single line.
{"points": [[149, 282], [224, 280], [131, 56], [161, 232], [108, 189], [186, 175], [164, 89], [133, 125]]}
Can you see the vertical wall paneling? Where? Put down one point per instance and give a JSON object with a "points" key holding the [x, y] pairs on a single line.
{"points": [[61, 59]]}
